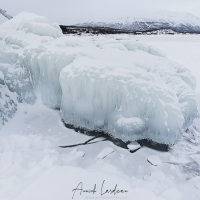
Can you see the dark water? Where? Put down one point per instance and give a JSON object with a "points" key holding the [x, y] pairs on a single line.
{"points": [[118, 142]]}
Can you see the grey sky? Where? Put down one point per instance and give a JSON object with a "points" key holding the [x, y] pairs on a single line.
{"points": [[75, 11]]}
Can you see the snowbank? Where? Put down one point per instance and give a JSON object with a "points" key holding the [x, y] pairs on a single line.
{"points": [[128, 89]]}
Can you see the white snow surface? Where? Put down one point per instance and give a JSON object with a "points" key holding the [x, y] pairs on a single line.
{"points": [[128, 89], [32, 166]]}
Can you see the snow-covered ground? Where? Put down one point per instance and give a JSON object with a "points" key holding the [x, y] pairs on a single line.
{"points": [[33, 166]]}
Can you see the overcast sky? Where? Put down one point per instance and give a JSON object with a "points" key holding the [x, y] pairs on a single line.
{"points": [[75, 11]]}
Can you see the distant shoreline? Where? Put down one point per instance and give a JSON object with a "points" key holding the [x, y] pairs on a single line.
{"points": [[107, 30]]}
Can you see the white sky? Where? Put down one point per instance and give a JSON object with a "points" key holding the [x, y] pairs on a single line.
{"points": [[75, 11]]}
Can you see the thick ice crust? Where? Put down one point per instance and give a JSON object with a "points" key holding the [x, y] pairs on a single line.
{"points": [[130, 96], [128, 89]]}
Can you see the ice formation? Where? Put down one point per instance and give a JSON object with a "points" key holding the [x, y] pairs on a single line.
{"points": [[128, 89], [141, 96]]}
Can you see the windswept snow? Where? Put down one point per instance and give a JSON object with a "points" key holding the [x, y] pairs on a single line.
{"points": [[128, 89]]}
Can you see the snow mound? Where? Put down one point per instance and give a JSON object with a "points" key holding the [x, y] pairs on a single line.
{"points": [[41, 28], [129, 90]]}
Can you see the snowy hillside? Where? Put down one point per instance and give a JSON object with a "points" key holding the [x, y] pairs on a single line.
{"points": [[178, 22]]}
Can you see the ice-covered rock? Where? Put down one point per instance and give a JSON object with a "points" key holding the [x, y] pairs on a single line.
{"points": [[20, 40], [130, 46], [134, 96], [129, 90]]}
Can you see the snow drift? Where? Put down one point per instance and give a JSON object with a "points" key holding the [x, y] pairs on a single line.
{"points": [[128, 89]]}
